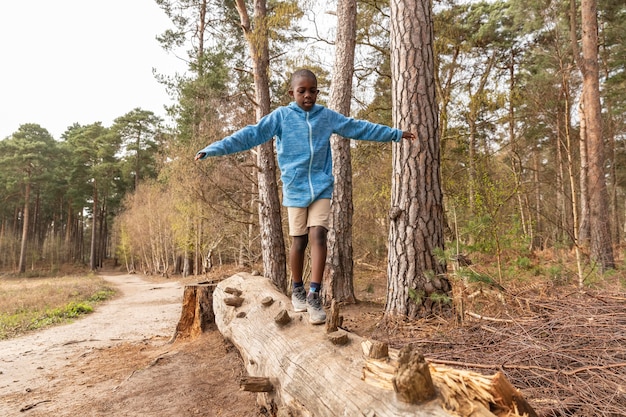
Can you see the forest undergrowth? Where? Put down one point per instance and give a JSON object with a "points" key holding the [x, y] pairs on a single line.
{"points": [[563, 346]]}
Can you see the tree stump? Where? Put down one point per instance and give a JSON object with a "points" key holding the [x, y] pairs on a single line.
{"points": [[197, 311]]}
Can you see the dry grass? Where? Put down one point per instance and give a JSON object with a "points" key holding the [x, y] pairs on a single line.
{"points": [[33, 303]]}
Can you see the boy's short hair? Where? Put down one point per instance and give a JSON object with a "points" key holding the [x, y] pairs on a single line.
{"points": [[303, 73]]}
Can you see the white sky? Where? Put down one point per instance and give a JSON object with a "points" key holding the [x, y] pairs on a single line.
{"points": [[80, 61]]}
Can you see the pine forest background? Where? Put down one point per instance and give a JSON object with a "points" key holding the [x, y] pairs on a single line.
{"points": [[513, 155]]}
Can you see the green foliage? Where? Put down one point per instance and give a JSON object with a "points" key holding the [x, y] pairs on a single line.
{"points": [[472, 276], [440, 298], [101, 295], [556, 274], [524, 263], [417, 295]]}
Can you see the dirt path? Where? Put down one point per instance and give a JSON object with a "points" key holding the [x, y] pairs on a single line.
{"points": [[117, 362]]}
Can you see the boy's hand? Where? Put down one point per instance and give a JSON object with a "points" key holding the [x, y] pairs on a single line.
{"points": [[408, 135], [199, 155]]}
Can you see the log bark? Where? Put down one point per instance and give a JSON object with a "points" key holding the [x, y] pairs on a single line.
{"points": [[312, 376], [196, 316]]}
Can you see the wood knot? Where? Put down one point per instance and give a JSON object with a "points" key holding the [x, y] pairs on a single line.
{"points": [[233, 291], [267, 301], [282, 318], [395, 212], [235, 301]]}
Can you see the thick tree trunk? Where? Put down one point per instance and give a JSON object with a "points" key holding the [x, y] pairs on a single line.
{"points": [[416, 228], [270, 221], [338, 280], [601, 244], [303, 370]]}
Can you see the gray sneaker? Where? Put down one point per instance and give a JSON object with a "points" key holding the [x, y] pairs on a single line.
{"points": [[298, 299], [317, 315]]}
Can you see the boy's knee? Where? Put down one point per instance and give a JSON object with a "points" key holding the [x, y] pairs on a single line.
{"points": [[318, 235], [299, 243]]}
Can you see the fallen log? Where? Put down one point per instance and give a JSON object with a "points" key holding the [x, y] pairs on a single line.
{"points": [[312, 375]]}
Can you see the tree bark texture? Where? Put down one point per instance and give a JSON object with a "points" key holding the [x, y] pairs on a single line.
{"points": [[26, 215], [416, 227], [338, 280], [308, 372], [601, 244], [270, 221], [94, 223]]}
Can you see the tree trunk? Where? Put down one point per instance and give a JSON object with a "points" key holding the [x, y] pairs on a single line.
{"points": [[338, 280], [94, 223], [270, 221], [601, 246], [25, 218], [583, 228], [282, 351], [572, 182], [559, 218], [416, 227], [584, 233]]}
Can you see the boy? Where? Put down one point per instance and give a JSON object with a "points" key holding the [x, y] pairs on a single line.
{"points": [[302, 131]]}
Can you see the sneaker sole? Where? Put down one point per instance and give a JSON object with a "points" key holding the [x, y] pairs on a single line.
{"points": [[299, 310], [316, 321]]}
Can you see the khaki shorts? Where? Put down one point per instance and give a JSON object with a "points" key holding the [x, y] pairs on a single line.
{"points": [[301, 218]]}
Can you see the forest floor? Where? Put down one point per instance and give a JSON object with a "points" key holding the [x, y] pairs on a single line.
{"points": [[563, 348]]}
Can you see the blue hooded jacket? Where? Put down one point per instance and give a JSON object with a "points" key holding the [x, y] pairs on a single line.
{"points": [[303, 147]]}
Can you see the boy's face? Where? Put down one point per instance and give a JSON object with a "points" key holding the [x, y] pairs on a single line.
{"points": [[304, 91]]}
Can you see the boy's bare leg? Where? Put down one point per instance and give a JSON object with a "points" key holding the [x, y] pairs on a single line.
{"points": [[296, 256], [317, 236]]}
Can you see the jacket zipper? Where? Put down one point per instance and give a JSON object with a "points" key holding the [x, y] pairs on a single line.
{"points": [[311, 157]]}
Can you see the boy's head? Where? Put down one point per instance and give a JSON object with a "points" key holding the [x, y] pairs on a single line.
{"points": [[303, 89]]}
